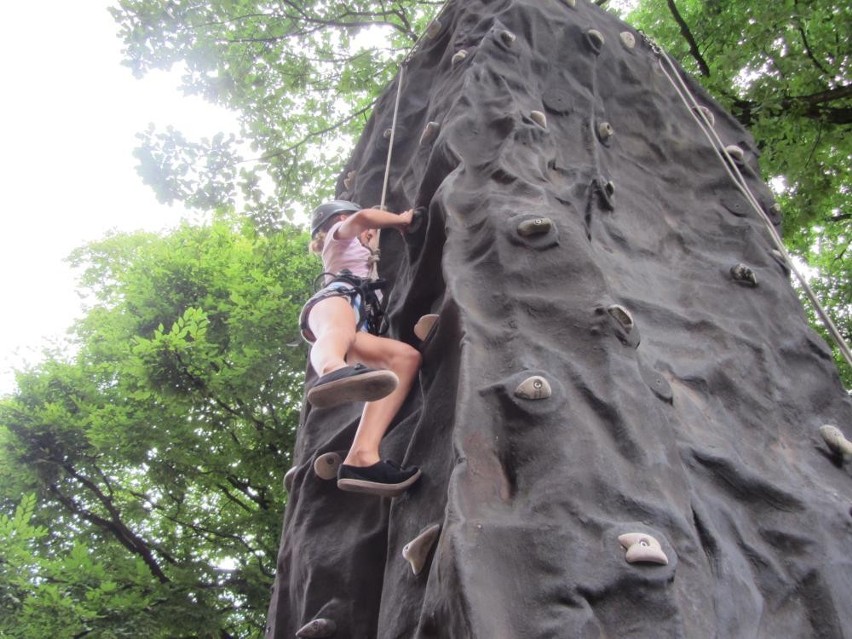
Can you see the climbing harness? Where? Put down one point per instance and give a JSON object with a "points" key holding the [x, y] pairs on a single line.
{"points": [[363, 295], [730, 165]]}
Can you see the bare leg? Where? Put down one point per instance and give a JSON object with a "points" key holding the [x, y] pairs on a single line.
{"points": [[333, 323]]}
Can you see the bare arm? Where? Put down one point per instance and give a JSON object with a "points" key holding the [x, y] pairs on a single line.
{"points": [[366, 219]]}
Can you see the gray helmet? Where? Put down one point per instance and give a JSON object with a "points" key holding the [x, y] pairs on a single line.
{"points": [[324, 212]]}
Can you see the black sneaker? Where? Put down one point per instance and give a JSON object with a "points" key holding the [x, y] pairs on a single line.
{"points": [[352, 384], [384, 478]]}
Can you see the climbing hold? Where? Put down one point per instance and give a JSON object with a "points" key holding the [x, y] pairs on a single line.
{"points": [[743, 275], [416, 551], [539, 118], [642, 548], [605, 131], [347, 182], [387, 133], [628, 39], [571, 3], [433, 29], [430, 132], [735, 152], [424, 325], [606, 189], [288, 479], [622, 316], [459, 57], [326, 465], [836, 441], [317, 629], [595, 39], [535, 387], [705, 113], [775, 214], [508, 38], [535, 226], [656, 382]]}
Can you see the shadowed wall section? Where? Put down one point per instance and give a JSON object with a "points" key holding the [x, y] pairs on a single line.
{"points": [[619, 433]]}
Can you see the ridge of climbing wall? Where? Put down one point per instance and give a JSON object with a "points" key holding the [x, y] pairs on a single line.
{"points": [[625, 425]]}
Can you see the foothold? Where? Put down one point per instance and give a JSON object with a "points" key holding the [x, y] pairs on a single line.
{"points": [[288, 479], [736, 153], [416, 551], [836, 440], [424, 325], [430, 132], [605, 131], [535, 226], [535, 387], [622, 315], [317, 629], [743, 275], [387, 133], [539, 118], [595, 39], [433, 29], [459, 57], [326, 465], [606, 189], [642, 548], [705, 113], [508, 38], [571, 3], [628, 39]]}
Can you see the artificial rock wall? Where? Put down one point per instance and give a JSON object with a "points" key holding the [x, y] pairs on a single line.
{"points": [[598, 369]]}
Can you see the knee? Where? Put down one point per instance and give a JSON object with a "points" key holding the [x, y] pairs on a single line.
{"points": [[408, 359]]}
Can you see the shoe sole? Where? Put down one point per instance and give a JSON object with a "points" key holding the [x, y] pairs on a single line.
{"points": [[376, 488], [366, 387]]}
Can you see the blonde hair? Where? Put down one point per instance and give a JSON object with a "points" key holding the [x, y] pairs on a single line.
{"points": [[317, 243]]}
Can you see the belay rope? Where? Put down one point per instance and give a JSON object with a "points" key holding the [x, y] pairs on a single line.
{"points": [[736, 175]]}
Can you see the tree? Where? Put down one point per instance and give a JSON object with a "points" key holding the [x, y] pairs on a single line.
{"points": [[155, 454]]}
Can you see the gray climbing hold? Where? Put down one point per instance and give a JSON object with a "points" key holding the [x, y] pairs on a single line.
{"points": [[595, 39], [736, 153], [387, 133], [288, 479], [571, 3], [535, 226], [658, 384], [326, 465], [622, 316], [628, 39], [606, 189], [706, 114], [742, 274], [535, 387], [605, 131], [433, 29], [775, 214], [416, 551], [430, 132], [642, 548], [459, 57], [317, 629], [508, 38], [539, 118], [424, 325], [836, 440]]}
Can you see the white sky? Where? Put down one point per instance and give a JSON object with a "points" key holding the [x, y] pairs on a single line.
{"points": [[70, 113]]}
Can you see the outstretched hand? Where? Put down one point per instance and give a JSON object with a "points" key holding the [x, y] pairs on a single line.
{"points": [[405, 220]]}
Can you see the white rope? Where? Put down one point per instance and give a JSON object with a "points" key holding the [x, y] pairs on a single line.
{"points": [[736, 176]]}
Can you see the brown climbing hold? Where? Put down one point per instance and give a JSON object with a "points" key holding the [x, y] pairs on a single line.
{"points": [[535, 387], [317, 629], [622, 316], [605, 131], [539, 118], [288, 479], [628, 39], [508, 38], [535, 226], [416, 551], [430, 132], [736, 153], [433, 29], [742, 274], [459, 57], [705, 113], [424, 325], [326, 465], [595, 40], [642, 548], [836, 440]]}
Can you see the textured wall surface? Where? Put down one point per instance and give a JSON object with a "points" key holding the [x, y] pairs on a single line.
{"points": [[580, 231]]}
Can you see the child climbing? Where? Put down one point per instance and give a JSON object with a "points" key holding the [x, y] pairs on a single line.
{"points": [[354, 364]]}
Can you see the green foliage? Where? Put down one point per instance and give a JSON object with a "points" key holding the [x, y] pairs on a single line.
{"points": [[152, 459]]}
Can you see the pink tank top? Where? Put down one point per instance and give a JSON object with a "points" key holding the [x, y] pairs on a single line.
{"points": [[339, 254]]}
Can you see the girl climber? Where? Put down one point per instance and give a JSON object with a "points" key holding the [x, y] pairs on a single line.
{"points": [[353, 364]]}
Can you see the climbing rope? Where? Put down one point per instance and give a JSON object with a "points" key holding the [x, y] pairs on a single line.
{"points": [[730, 166]]}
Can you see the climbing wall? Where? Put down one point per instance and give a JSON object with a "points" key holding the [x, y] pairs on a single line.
{"points": [[620, 408]]}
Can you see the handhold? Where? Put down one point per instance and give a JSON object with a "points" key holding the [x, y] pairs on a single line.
{"points": [[775, 213], [571, 3], [836, 440], [595, 40], [705, 113], [433, 29], [539, 118], [736, 153], [508, 38], [416, 551], [459, 57], [658, 384], [605, 131], [317, 629], [430, 131], [642, 548], [288, 479], [743, 274], [424, 325], [535, 387], [535, 226], [622, 315], [347, 182], [606, 189], [628, 39], [326, 465], [387, 133]]}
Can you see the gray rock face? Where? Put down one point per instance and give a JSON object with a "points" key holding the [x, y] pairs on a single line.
{"points": [[702, 436]]}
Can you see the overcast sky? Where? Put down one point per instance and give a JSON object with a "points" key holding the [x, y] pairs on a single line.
{"points": [[70, 114]]}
